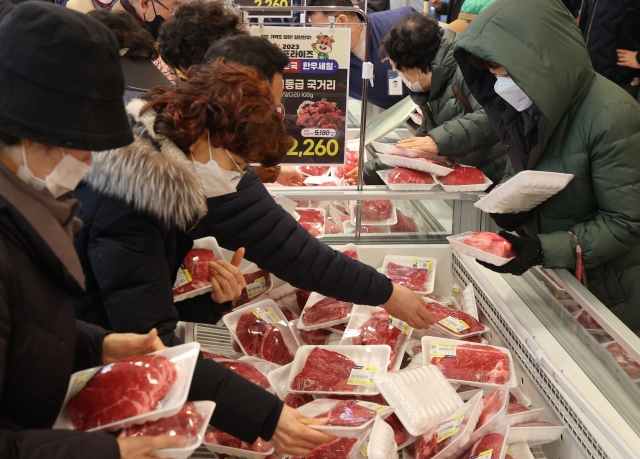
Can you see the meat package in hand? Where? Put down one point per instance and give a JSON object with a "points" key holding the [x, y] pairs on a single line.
{"points": [[401, 175], [247, 372], [220, 438], [493, 441], [258, 282], [262, 340], [297, 400], [312, 220], [348, 413], [491, 243], [475, 363], [378, 330], [629, 365], [196, 263], [123, 389], [315, 337], [405, 224], [350, 164], [413, 278], [337, 449], [325, 371], [186, 423], [376, 210], [326, 310], [453, 321], [492, 405], [313, 170], [463, 175]]}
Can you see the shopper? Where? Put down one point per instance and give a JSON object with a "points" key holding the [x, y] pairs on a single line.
{"points": [[54, 109], [5, 7], [554, 113], [454, 124], [450, 9], [380, 23], [137, 53]]}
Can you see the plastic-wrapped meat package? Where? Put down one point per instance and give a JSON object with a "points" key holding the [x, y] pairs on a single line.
{"points": [[121, 390], [588, 322], [297, 400], [258, 282], [493, 403], [196, 263], [262, 340], [337, 449], [313, 170], [401, 175], [413, 278], [312, 220], [302, 296], [379, 330], [287, 314], [186, 423], [376, 210], [324, 371], [493, 441], [463, 175], [331, 228], [405, 224], [351, 254], [246, 371], [629, 365], [428, 445], [475, 363], [220, 438], [348, 413], [326, 310], [370, 229], [514, 408], [316, 337], [454, 321], [350, 164], [212, 356], [399, 432], [491, 243]]}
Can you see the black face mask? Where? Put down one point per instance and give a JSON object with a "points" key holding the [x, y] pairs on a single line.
{"points": [[153, 27]]}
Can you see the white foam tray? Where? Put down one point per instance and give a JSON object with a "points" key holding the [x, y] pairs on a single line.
{"points": [[426, 353], [278, 380], [236, 452], [313, 299], [317, 180], [204, 243], [524, 191], [465, 188], [386, 222], [359, 315], [527, 416], [384, 175], [410, 261], [504, 431], [520, 450], [324, 216], [458, 245], [416, 164], [468, 302], [366, 356], [519, 394], [184, 358], [231, 321], [463, 439], [496, 420], [535, 436], [382, 444], [440, 330], [388, 149], [421, 396]]}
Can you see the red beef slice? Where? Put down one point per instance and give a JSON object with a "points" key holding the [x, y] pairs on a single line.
{"points": [[475, 363], [324, 371], [491, 243], [463, 175], [348, 413]]}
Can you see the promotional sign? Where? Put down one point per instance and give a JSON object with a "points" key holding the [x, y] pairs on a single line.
{"points": [[266, 4], [316, 88]]}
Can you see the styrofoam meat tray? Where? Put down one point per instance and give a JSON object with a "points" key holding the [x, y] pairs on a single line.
{"points": [[205, 408], [417, 164], [231, 321], [421, 396], [386, 222], [236, 452], [365, 356], [382, 444], [463, 188], [204, 243], [524, 191], [468, 302], [462, 440], [324, 217], [419, 262], [504, 431], [494, 421], [534, 436], [458, 245], [526, 416], [278, 380], [313, 299], [317, 180], [519, 450], [384, 175], [184, 358], [426, 353], [392, 150]]}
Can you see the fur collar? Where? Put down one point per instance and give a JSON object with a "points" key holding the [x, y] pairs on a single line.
{"points": [[160, 182]]}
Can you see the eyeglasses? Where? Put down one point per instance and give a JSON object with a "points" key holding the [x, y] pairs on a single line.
{"points": [[242, 171], [173, 5]]}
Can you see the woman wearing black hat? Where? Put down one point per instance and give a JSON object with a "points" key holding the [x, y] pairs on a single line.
{"points": [[54, 109]]}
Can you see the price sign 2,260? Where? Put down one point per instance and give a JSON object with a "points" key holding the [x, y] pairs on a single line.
{"points": [[271, 2], [314, 147]]}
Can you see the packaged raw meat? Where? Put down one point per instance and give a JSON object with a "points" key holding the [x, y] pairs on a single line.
{"points": [[494, 443], [518, 414], [220, 438], [512, 399], [194, 272], [297, 400], [413, 278], [313, 170], [350, 250], [514, 408], [313, 220], [494, 405], [288, 314], [342, 448], [246, 371], [120, 390], [320, 114], [374, 211], [351, 162], [630, 366], [405, 224], [212, 356], [302, 296], [458, 324], [186, 423], [402, 175], [351, 254], [588, 322], [348, 413], [324, 371], [321, 312], [400, 434], [463, 175], [370, 229], [258, 282], [491, 243], [317, 337], [324, 181], [331, 228]]}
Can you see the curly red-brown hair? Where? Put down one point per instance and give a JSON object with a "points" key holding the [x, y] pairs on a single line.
{"points": [[232, 101]]}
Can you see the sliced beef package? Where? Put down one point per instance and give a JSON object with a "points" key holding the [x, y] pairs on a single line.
{"points": [[186, 423], [463, 175], [220, 438], [491, 243], [331, 228], [413, 278], [298, 400], [350, 164], [194, 272], [493, 442], [514, 408], [475, 363], [126, 388], [405, 224], [376, 210], [326, 310], [312, 220], [630, 366], [325, 371], [380, 328], [348, 413], [313, 170], [247, 371], [401, 175], [493, 404], [262, 340], [258, 282], [316, 337], [453, 321], [337, 449]]}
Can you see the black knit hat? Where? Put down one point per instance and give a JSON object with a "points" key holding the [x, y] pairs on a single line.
{"points": [[61, 83]]}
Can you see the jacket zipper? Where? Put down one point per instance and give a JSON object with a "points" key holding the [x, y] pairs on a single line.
{"points": [[432, 120], [521, 136], [593, 15]]}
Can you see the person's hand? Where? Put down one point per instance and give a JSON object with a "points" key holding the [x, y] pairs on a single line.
{"points": [[628, 58], [409, 307], [426, 144], [293, 437], [290, 176], [227, 282], [142, 447], [528, 254], [512, 222], [437, 4], [118, 346], [352, 177]]}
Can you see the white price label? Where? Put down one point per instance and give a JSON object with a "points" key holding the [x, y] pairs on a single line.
{"points": [[422, 264], [318, 132], [362, 376], [454, 324], [372, 406], [483, 455], [257, 287], [440, 350], [450, 428], [267, 316], [400, 325], [182, 278]]}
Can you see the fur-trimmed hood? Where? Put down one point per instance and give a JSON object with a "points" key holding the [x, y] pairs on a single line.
{"points": [[162, 182]]}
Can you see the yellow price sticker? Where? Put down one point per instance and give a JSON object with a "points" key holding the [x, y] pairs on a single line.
{"points": [[314, 148]]}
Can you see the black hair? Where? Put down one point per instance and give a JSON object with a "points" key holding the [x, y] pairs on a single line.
{"points": [[8, 140], [344, 3], [256, 52], [413, 42], [185, 37], [129, 32]]}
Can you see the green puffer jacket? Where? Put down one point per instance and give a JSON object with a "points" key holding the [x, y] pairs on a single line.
{"points": [[586, 126], [467, 138]]}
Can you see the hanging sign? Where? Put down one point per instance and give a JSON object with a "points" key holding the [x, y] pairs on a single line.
{"points": [[266, 4]]}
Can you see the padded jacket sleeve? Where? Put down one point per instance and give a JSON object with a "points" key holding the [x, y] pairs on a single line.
{"points": [[89, 340], [250, 218]]}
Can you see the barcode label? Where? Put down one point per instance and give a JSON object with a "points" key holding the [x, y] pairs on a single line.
{"points": [[439, 350], [372, 406], [362, 376], [183, 277], [268, 316], [256, 287], [449, 428], [422, 263], [454, 324], [400, 325]]}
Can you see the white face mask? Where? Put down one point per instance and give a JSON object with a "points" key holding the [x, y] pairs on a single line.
{"points": [[64, 177], [215, 180], [413, 87], [507, 89]]}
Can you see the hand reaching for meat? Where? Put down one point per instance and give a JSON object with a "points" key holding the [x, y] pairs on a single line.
{"points": [[143, 447], [409, 307], [352, 177], [227, 281], [426, 144], [293, 437], [289, 176], [118, 346]]}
